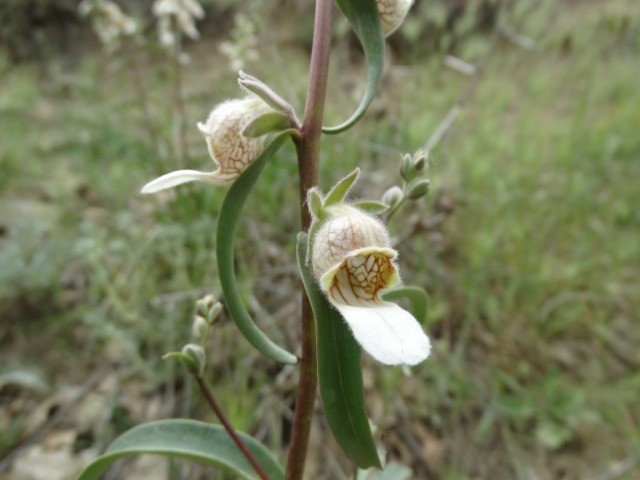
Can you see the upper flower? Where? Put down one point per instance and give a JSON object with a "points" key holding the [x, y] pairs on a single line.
{"points": [[353, 262], [229, 148], [392, 13]]}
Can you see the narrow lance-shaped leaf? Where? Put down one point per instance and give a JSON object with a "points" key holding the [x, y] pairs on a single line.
{"points": [[202, 442], [364, 18], [227, 223], [339, 191], [339, 373], [267, 123]]}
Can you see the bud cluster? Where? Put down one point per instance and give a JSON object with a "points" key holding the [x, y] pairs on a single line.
{"points": [[414, 184], [193, 355], [206, 314]]}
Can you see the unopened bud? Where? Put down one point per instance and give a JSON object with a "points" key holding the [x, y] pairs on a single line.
{"points": [[214, 312], [420, 160], [392, 196], [204, 305], [194, 358], [406, 167], [200, 328], [418, 189]]}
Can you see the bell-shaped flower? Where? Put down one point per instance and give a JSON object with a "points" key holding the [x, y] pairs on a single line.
{"points": [[353, 262], [229, 148], [392, 13]]}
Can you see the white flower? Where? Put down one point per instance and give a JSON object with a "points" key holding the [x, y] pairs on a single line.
{"points": [[232, 151], [108, 21], [392, 13], [353, 262], [175, 17]]}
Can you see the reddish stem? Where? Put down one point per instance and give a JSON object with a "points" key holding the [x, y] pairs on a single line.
{"points": [[308, 149], [208, 394]]}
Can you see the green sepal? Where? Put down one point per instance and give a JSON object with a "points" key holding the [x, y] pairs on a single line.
{"points": [[339, 373], [202, 442], [365, 20], [262, 90], [225, 234], [372, 207], [267, 123], [339, 191], [316, 204], [418, 299]]}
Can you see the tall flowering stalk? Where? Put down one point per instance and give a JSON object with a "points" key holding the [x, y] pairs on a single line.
{"points": [[348, 268], [177, 18]]}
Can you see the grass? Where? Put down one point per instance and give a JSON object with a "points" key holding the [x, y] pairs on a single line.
{"points": [[533, 279]]}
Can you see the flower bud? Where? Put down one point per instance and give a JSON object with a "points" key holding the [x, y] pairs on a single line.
{"points": [[420, 160], [200, 328], [392, 13], [392, 196], [418, 189], [194, 358], [204, 305]]}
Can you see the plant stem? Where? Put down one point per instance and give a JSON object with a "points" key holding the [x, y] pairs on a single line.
{"points": [[136, 61], [308, 149], [208, 394]]}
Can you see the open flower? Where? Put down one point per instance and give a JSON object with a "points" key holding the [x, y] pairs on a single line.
{"points": [[353, 262], [232, 151], [392, 13]]}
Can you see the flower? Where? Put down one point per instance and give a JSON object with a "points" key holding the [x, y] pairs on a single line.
{"points": [[392, 13], [232, 151], [175, 17], [108, 21], [353, 262]]}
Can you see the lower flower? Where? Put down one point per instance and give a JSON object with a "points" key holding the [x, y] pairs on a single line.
{"points": [[354, 263]]}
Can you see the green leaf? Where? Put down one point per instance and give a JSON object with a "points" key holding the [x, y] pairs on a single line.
{"points": [[372, 207], [417, 297], [227, 223], [339, 191], [339, 373], [364, 18], [202, 442], [267, 123]]}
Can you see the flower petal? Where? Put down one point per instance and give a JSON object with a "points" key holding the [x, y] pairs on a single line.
{"points": [[387, 332], [179, 177]]}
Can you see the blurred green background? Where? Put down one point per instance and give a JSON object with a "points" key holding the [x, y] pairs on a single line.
{"points": [[528, 244]]}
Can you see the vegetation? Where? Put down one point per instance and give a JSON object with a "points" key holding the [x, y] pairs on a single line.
{"points": [[532, 272]]}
